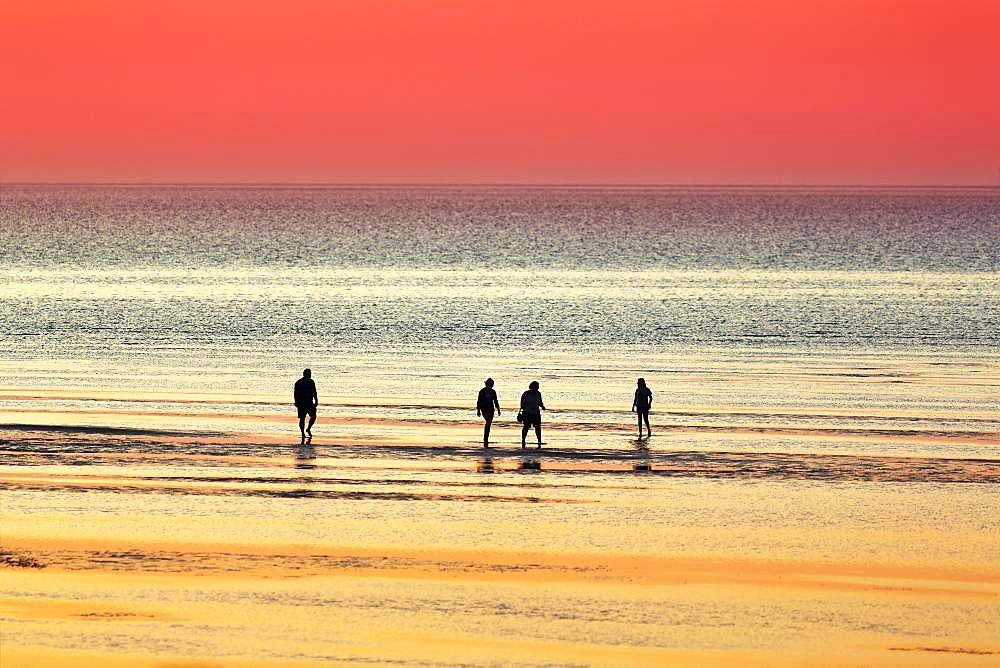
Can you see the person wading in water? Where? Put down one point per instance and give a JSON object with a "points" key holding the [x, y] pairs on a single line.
{"points": [[484, 408], [641, 404], [306, 401], [531, 412]]}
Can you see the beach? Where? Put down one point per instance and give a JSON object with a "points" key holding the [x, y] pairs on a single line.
{"points": [[747, 539], [820, 487]]}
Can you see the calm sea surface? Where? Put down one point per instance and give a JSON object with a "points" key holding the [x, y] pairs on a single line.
{"points": [[825, 366], [723, 299]]}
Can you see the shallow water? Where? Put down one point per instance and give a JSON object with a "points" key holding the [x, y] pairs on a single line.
{"points": [[822, 482]]}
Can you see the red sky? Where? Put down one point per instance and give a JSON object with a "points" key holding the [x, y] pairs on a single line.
{"points": [[549, 91]]}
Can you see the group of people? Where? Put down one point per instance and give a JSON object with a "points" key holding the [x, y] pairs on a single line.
{"points": [[487, 407], [532, 405]]}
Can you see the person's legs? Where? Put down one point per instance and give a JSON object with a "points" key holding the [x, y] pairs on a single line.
{"points": [[312, 421], [486, 431], [525, 426], [302, 421], [538, 431], [645, 416], [638, 415]]}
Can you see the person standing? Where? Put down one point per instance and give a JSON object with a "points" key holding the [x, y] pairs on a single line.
{"points": [[306, 401], [531, 412], [484, 408], [641, 404]]}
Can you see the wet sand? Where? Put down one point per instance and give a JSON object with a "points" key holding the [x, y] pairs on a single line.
{"points": [[159, 546], [827, 510]]}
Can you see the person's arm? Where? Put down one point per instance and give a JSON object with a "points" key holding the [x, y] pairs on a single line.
{"points": [[635, 400], [496, 402], [650, 399], [315, 396], [522, 400], [541, 404]]}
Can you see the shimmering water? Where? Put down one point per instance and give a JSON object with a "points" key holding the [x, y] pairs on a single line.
{"points": [[588, 268], [489, 228], [845, 310], [826, 373]]}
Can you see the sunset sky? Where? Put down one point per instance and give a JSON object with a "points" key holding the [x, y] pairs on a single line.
{"points": [[549, 91]]}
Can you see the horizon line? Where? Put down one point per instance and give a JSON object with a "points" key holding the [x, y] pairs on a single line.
{"points": [[508, 184]]}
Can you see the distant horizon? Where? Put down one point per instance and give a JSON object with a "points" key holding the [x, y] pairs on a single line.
{"points": [[513, 184]]}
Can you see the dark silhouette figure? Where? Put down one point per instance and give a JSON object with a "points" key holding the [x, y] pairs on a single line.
{"points": [[531, 412], [484, 408], [306, 401], [641, 404]]}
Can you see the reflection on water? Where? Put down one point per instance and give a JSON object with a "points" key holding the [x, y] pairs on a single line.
{"points": [[530, 464], [403, 531], [930, 510], [828, 392], [643, 462], [448, 227], [305, 456]]}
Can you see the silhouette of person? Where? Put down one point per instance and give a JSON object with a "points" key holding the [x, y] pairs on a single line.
{"points": [[484, 408], [641, 404], [306, 401], [531, 412]]}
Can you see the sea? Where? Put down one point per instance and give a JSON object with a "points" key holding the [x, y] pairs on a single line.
{"points": [[825, 369]]}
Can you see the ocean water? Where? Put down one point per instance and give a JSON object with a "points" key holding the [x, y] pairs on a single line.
{"points": [[780, 303], [826, 375]]}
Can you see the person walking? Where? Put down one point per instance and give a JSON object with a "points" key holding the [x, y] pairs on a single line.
{"points": [[306, 401], [641, 404], [531, 412], [484, 408]]}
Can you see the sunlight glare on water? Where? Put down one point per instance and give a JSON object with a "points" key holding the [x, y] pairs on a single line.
{"points": [[826, 423]]}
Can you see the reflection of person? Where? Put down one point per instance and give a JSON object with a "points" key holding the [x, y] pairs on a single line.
{"points": [[640, 405], [484, 408], [305, 457], [306, 401], [531, 412], [528, 464]]}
